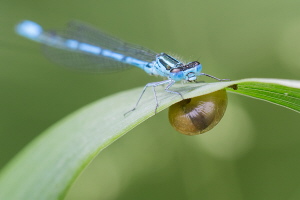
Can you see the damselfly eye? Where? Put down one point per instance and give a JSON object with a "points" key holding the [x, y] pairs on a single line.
{"points": [[200, 114], [192, 64]]}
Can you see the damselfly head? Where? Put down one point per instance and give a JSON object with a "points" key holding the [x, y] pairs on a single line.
{"points": [[188, 72], [192, 70]]}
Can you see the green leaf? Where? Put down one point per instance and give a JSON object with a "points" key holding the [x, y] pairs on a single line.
{"points": [[47, 167], [281, 92]]}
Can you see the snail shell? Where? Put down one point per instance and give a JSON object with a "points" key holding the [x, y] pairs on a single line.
{"points": [[199, 114]]}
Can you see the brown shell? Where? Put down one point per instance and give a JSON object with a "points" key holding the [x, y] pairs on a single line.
{"points": [[200, 114]]}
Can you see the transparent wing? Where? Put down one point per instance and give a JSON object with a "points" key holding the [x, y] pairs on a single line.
{"points": [[84, 33]]}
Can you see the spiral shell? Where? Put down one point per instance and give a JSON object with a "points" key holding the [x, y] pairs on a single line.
{"points": [[199, 114]]}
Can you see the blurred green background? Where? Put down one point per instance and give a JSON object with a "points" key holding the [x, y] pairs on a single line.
{"points": [[252, 154]]}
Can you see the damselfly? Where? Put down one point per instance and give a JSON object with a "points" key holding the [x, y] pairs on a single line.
{"points": [[82, 46]]}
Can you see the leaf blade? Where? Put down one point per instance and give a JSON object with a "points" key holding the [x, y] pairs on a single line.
{"points": [[46, 168], [278, 93]]}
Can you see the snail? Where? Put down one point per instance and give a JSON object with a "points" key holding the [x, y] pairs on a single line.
{"points": [[199, 114]]}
